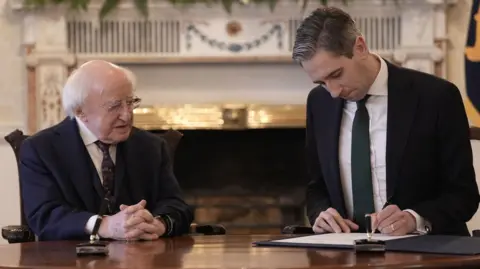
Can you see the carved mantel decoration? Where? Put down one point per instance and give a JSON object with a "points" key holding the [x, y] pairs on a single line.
{"points": [[409, 32]]}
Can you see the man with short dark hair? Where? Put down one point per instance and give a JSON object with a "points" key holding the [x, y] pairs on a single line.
{"points": [[381, 139]]}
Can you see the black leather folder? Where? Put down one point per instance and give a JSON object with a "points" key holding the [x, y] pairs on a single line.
{"points": [[435, 244]]}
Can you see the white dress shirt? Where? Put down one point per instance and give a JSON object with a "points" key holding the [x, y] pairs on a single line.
{"points": [[94, 151], [377, 106], [96, 155]]}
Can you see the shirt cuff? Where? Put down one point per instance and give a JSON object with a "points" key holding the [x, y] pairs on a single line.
{"points": [[423, 226], [90, 224]]}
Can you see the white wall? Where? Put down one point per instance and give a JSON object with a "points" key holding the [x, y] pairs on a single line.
{"points": [[12, 107]]}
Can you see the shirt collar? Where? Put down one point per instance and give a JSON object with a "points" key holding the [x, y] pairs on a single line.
{"points": [[87, 136], [380, 85]]}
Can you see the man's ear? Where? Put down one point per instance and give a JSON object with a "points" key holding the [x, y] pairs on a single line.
{"points": [[360, 47], [80, 114]]}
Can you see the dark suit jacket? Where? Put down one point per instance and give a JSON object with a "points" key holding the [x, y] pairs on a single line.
{"points": [[61, 189], [428, 153]]}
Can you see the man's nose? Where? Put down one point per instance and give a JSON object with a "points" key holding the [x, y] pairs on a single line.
{"points": [[126, 113]]}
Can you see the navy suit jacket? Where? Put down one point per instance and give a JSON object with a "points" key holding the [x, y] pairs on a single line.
{"points": [[428, 152], [61, 189]]}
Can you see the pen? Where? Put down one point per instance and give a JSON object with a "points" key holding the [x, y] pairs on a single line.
{"points": [[368, 226], [387, 203]]}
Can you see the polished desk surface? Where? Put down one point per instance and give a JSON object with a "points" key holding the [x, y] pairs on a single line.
{"points": [[230, 251]]}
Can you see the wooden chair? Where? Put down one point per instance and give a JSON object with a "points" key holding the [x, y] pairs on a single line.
{"points": [[22, 233], [299, 229]]}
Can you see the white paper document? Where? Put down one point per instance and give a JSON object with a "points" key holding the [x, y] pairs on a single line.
{"points": [[344, 239]]}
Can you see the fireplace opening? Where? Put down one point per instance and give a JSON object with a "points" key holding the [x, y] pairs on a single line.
{"points": [[249, 180]]}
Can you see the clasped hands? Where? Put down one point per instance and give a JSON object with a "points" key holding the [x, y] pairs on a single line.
{"points": [[390, 221], [133, 222]]}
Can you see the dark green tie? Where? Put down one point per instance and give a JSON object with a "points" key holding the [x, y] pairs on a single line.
{"points": [[361, 169]]}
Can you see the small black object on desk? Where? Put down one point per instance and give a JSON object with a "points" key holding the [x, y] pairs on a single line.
{"points": [[95, 246], [369, 245]]}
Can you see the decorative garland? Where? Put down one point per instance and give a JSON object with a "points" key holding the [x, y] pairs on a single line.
{"points": [[142, 5], [234, 47]]}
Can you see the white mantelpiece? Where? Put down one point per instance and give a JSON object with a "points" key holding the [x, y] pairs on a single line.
{"points": [[410, 32], [51, 59]]}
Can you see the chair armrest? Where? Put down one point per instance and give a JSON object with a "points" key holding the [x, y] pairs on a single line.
{"points": [[212, 229], [297, 229], [17, 234]]}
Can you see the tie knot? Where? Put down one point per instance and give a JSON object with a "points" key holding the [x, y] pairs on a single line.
{"points": [[102, 146], [362, 101]]}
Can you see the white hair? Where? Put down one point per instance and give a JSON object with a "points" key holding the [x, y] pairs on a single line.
{"points": [[79, 83]]}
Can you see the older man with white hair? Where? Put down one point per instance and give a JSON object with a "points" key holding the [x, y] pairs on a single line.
{"points": [[67, 170]]}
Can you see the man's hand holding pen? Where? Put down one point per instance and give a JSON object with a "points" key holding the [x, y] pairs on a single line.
{"points": [[393, 221], [330, 221]]}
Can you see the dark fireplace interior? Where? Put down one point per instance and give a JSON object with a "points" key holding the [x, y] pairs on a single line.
{"points": [[251, 181]]}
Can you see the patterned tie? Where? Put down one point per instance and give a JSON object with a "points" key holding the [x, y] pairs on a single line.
{"points": [[108, 167], [361, 168]]}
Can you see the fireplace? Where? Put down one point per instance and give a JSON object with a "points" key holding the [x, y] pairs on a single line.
{"points": [[241, 166]]}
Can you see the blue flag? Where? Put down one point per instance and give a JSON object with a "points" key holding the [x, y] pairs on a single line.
{"points": [[472, 65]]}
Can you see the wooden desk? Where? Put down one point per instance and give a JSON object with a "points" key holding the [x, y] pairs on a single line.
{"points": [[213, 252]]}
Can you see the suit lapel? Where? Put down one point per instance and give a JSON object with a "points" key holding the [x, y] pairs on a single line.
{"points": [[332, 134], [71, 150], [402, 106], [119, 170], [129, 168], [97, 183]]}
